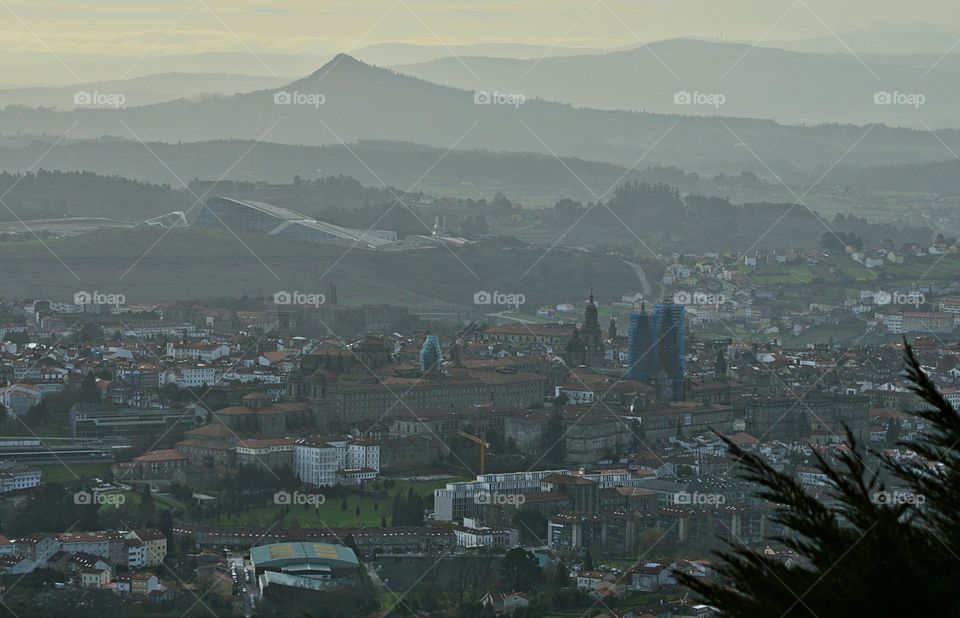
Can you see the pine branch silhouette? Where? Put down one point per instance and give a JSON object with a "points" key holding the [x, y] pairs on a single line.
{"points": [[858, 555]]}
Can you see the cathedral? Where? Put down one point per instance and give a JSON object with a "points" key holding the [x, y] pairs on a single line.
{"points": [[585, 346]]}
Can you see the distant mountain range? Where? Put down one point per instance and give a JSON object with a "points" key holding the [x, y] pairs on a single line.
{"points": [[888, 38], [139, 91], [755, 82], [25, 69], [347, 101]]}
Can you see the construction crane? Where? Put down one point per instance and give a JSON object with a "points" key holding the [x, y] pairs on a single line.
{"points": [[484, 445]]}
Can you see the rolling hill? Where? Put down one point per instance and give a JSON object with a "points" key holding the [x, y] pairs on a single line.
{"points": [[139, 91], [757, 82], [347, 101]]}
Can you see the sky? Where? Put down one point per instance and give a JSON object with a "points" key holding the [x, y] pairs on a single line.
{"points": [[130, 27], [35, 30]]}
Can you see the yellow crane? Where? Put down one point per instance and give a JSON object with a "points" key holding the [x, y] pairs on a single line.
{"points": [[484, 445]]}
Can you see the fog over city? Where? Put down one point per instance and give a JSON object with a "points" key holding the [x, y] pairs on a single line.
{"points": [[472, 309]]}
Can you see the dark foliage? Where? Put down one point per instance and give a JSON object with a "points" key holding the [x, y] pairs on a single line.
{"points": [[861, 553]]}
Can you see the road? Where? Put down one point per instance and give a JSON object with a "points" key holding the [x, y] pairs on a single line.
{"points": [[239, 566], [645, 288]]}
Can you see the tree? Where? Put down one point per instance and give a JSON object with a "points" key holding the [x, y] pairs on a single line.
{"points": [[89, 393], [893, 432], [532, 525], [90, 331], [519, 570], [864, 552], [146, 499], [561, 576], [553, 444], [165, 524]]}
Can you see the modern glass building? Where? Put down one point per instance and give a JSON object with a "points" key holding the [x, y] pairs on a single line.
{"points": [[431, 355], [641, 347], [670, 324], [247, 215], [655, 348]]}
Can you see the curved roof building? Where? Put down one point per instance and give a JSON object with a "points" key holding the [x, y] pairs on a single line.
{"points": [[303, 558], [251, 216]]}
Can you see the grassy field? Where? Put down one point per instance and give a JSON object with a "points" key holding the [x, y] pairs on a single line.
{"points": [[64, 473], [340, 511], [204, 263]]}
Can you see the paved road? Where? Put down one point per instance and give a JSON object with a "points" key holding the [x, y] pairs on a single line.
{"points": [[645, 286]]}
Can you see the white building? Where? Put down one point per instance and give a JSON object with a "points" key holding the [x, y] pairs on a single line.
{"points": [[136, 554], [200, 375], [893, 322], [316, 461], [19, 398], [14, 478], [206, 352], [472, 534], [363, 454]]}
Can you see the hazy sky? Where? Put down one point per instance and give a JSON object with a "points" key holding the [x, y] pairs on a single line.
{"points": [[137, 27]]}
